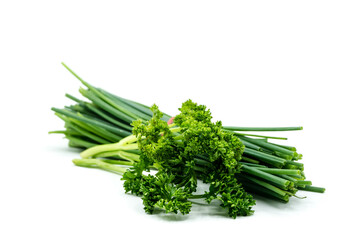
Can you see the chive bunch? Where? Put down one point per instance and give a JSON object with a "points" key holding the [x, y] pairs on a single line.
{"points": [[103, 122]]}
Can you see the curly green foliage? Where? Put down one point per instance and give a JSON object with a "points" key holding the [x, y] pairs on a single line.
{"points": [[201, 136], [160, 192], [228, 190], [157, 191], [134, 178], [155, 140], [175, 153]]}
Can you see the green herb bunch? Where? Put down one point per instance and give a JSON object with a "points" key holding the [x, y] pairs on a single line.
{"points": [[131, 139]]}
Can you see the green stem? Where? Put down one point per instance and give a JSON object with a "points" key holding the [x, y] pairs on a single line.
{"points": [[108, 117], [123, 103], [267, 158], [253, 164], [100, 124], [78, 142], [129, 156], [73, 98], [284, 156], [111, 137], [269, 146], [100, 95], [302, 182], [266, 185], [88, 153], [250, 145], [280, 182], [128, 140], [289, 178], [203, 162], [261, 136], [255, 188], [134, 105], [59, 132], [296, 164], [120, 154], [281, 171], [291, 148], [88, 134], [261, 129], [250, 160], [97, 163], [105, 106], [197, 196], [118, 162], [312, 188]]}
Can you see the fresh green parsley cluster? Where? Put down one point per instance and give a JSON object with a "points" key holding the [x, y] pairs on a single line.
{"points": [[193, 148]]}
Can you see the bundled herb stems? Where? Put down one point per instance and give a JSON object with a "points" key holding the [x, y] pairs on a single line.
{"points": [[128, 138]]}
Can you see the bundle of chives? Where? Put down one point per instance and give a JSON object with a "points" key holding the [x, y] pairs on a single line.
{"points": [[103, 125]]}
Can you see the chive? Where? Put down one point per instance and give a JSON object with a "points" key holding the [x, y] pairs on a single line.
{"points": [[267, 185], [74, 145], [100, 95], [254, 188], [280, 182], [78, 108], [91, 128], [298, 177], [202, 162], [98, 131], [98, 112], [124, 104], [262, 128], [261, 136], [59, 132], [289, 166], [282, 155], [296, 164], [254, 165], [73, 98], [312, 189], [260, 139], [89, 135], [107, 117], [270, 159], [80, 142], [92, 121], [297, 156], [141, 107], [281, 171], [103, 105], [267, 151], [287, 177], [302, 182], [291, 148], [249, 160], [250, 145], [269, 146]]}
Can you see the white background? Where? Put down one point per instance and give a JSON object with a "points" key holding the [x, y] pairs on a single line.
{"points": [[253, 63]]}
